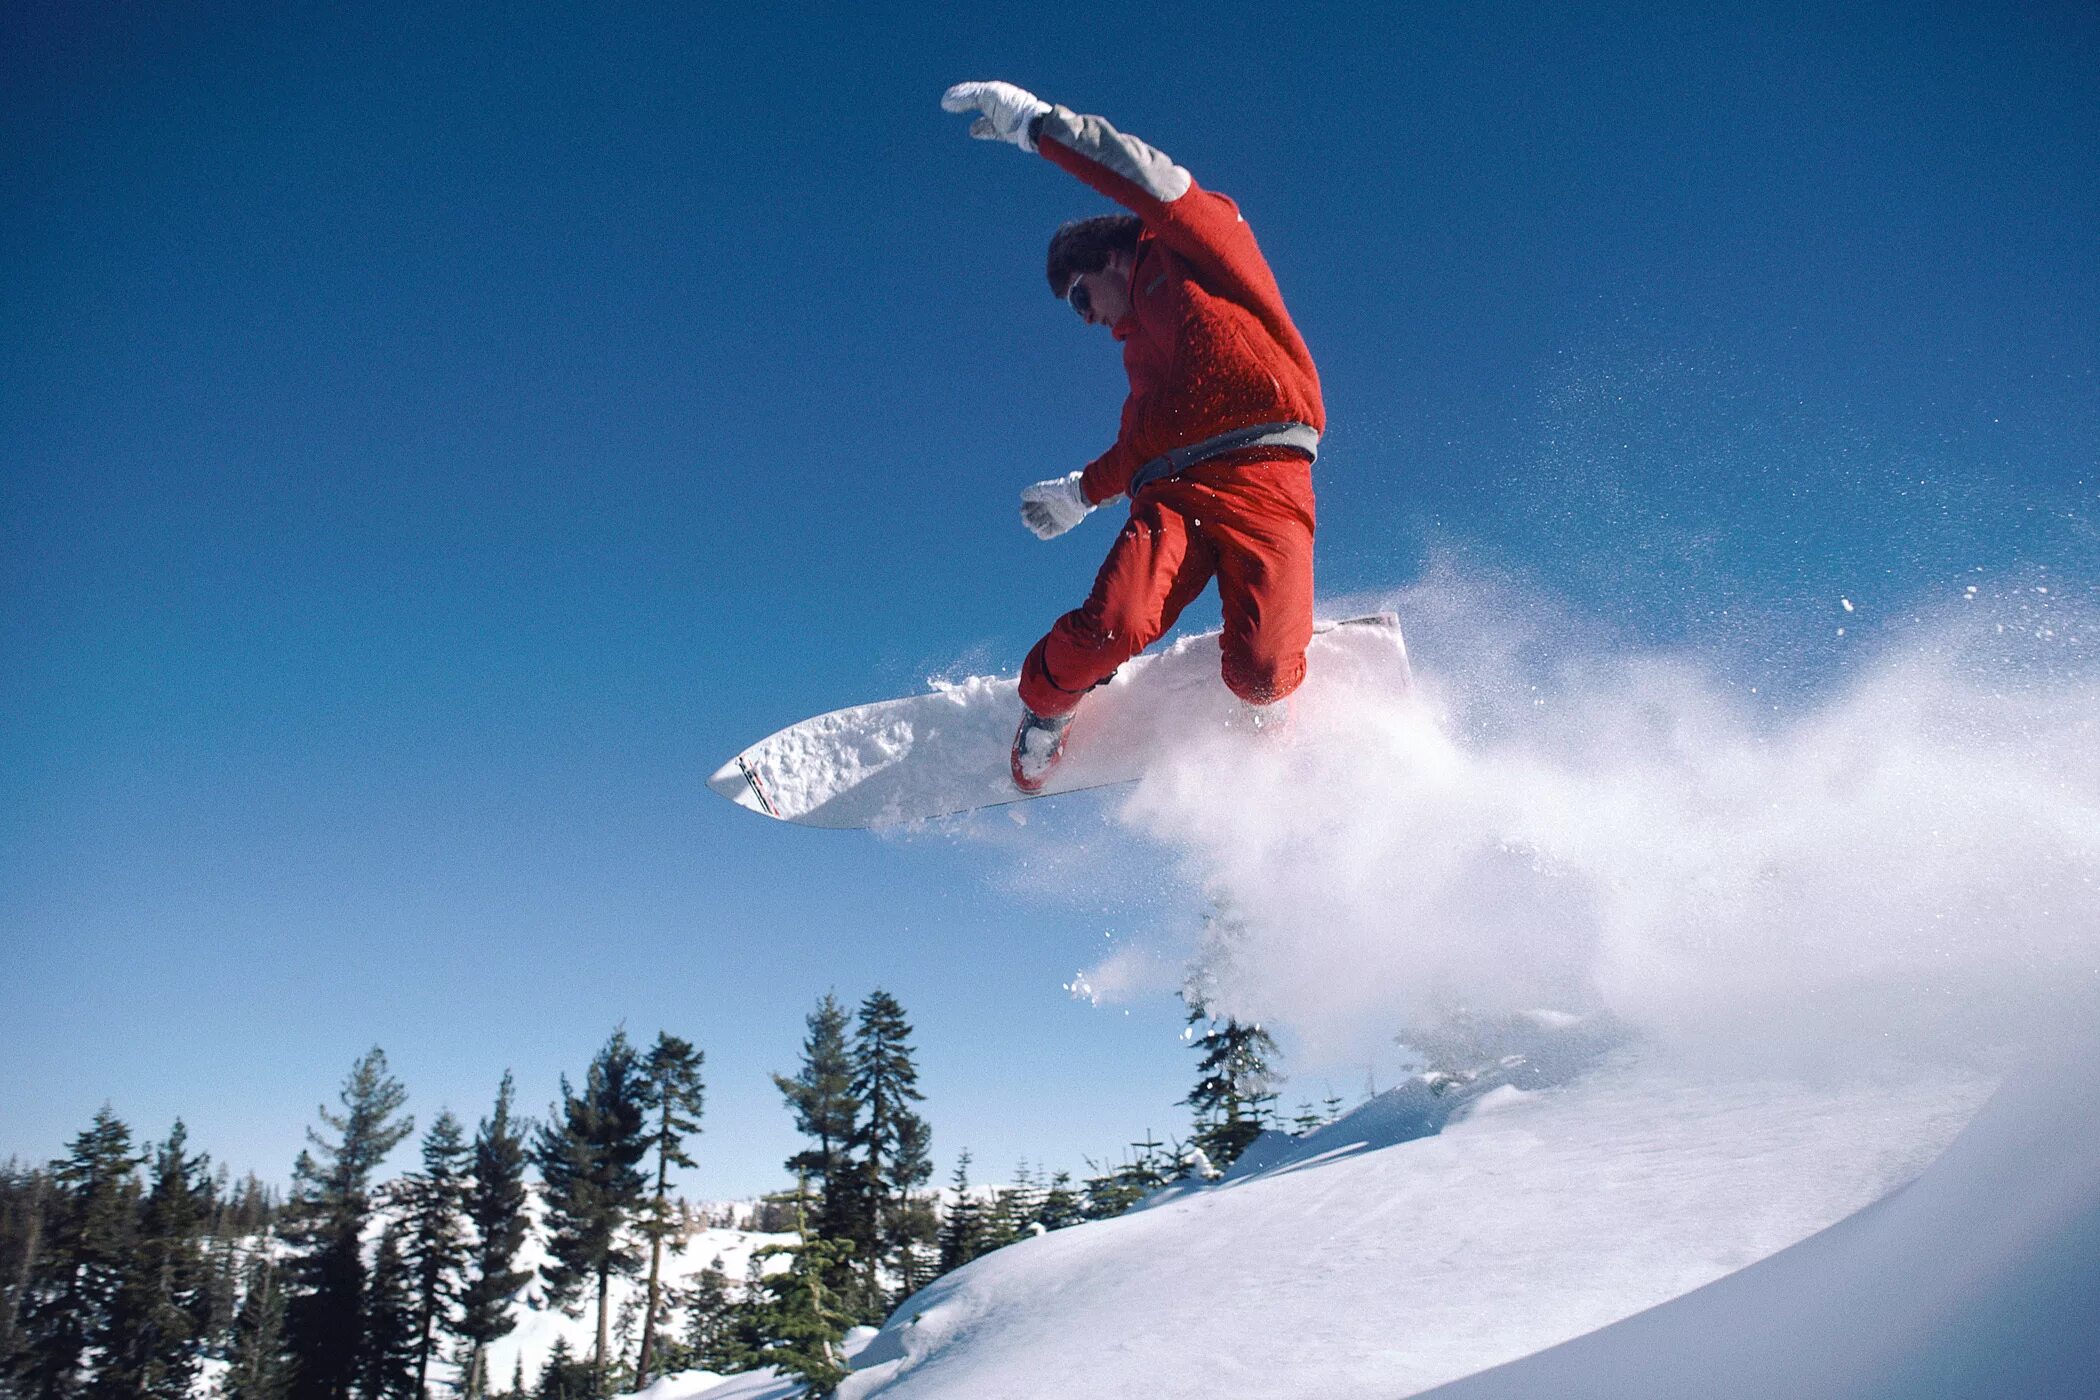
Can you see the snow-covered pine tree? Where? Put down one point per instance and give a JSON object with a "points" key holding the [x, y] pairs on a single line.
{"points": [[677, 1097], [163, 1304], [893, 1145], [387, 1364], [324, 1229], [821, 1096], [435, 1246], [69, 1296], [589, 1154], [495, 1204]]}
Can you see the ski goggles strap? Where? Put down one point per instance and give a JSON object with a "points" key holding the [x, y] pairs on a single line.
{"points": [[1301, 436]]}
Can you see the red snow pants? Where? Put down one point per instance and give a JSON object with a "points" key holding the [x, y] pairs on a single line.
{"points": [[1249, 525]]}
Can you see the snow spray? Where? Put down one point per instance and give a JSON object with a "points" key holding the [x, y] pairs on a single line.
{"points": [[1905, 861]]}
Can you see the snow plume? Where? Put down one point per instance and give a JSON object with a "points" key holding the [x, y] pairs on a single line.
{"points": [[1908, 862]]}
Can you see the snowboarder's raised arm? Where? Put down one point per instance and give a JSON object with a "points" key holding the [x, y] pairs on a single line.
{"points": [[1200, 225]]}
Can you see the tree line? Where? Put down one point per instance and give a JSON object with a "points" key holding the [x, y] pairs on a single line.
{"points": [[131, 1270]]}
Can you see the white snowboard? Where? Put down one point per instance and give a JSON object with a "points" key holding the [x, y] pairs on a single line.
{"points": [[947, 751]]}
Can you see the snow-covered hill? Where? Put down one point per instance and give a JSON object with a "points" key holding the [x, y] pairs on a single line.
{"points": [[1367, 1260]]}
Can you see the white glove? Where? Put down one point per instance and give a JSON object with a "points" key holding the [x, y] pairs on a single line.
{"points": [[1049, 508], [1008, 110]]}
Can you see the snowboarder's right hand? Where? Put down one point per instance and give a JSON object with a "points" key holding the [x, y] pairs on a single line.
{"points": [[1049, 508], [1008, 110]]}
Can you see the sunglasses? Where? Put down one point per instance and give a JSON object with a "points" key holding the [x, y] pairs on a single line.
{"points": [[1082, 300]]}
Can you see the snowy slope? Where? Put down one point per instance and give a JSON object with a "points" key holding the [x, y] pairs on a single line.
{"points": [[1981, 1279], [1366, 1260]]}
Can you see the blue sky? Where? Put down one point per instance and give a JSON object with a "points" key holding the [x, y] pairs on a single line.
{"points": [[433, 438]]}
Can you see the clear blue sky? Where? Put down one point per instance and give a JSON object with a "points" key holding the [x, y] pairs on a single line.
{"points": [[432, 438]]}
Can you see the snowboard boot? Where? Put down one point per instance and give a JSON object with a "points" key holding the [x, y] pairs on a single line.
{"points": [[1038, 744]]}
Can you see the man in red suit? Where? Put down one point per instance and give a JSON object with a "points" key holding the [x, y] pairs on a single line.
{"points": [[1218, 434]]}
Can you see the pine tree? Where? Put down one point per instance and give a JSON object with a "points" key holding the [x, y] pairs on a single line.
{"points": [[70, 1296], [387, 1365], [495, 1203], [564, 1377], [1231, 1098], [712, 1336], [28, 1211], [821, 1095], [162, 1305], [436, 1246], [330, 1206], [1062, 1207], [892, 1142], [259, 1367], [588, 1155], [962, 1233], [676, 1098], [801, 1321]]}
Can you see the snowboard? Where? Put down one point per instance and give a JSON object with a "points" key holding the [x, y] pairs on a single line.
{"points": [[946, 751]]}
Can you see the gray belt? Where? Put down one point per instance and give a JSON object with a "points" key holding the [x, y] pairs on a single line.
{"points": [[1302, 436]]}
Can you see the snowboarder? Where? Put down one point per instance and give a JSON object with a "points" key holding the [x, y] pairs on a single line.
{"points": [[1218, 435]]}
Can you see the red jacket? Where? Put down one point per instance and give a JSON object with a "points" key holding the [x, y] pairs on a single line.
{"points": [[1208, 344]]}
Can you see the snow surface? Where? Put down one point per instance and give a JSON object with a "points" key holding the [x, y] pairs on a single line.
{"points": [[1364, 1259], [1981, 1279]]}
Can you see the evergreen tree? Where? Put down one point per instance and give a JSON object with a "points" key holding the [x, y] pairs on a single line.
{"points": [[714, 1339], [495, 1203], [28, 1209], [326, 1218], [1061, 1204], [891, 1140], [676, 1097], [1231, 1098], [564, 1377], [801, 1322], [962, 1232], [162, 1305], [821, 1096], [588, 1155], [436, 1248], [387, 1367], [70, 1295], [259, 1367]]}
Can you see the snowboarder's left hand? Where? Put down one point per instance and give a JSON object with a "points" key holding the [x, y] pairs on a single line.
{"points": [[1049, 508], [1008, 111]]}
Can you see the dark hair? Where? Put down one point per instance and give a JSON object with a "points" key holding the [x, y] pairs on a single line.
{"points": [[1086, 245]]}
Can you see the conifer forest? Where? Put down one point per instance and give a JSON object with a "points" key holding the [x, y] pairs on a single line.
{"points": [[134, 1267]]}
